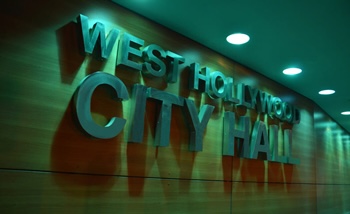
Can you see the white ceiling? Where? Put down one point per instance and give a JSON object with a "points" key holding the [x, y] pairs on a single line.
{"points": [[311, 34]]}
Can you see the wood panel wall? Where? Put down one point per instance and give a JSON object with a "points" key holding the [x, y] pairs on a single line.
{"points": [[48, 165], [332, 174]]}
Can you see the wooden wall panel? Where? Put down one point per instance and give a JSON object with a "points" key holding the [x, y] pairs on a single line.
{"points": [[332, 165], [42, 192], [333, 199], [273, 198], [333, 150]]}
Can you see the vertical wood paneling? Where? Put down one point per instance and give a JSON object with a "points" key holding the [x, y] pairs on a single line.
{"points": [[273, 198], [33, 192], [333, 199], [332, 152]]}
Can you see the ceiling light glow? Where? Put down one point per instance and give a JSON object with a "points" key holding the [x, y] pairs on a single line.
{"points": [[345, 113], [326, 92], [292, 71], [238, 38]]}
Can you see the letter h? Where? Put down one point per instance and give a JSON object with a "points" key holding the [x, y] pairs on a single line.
{"points": [[230, 133], [199, 78]]}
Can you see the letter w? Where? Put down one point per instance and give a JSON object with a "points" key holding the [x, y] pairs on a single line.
{"points": [[264, 102], [98, 31]]}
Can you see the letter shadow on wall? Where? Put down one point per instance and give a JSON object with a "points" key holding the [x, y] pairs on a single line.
{"points": [[228, 165], [179, 142], [184, 84], [71, 53], [70, 57], [253, 170], [281, 173], [141, 157], [226, 161], [81, 162], [136, 154], [287, 170]]}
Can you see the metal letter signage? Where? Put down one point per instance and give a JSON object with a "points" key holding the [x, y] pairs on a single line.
{"points": [[98, 31], [239, 139], [82, 100], [198, 123], [241, 134]]}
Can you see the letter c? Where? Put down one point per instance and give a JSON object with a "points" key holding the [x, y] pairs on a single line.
{"points": [[82, 100]]}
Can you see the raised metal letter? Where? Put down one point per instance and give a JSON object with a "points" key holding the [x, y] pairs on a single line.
{"points": [[139, 98], [199, 79], [153, 65], [287, 134], [82, 100], [230, 91], [217, 86], [287, 112], [253, 94], [241, 94], [277, 108], [129, 48], [260, 141], [264, 102], [273, 140], [230, 133], [174, 61], [98, 31], [198, 124], [296, 116], [164, 119]]}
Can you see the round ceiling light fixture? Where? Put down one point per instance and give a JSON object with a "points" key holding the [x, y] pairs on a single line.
{"points": [[326, 92], [292, 71], [345, 113], [238, 38]]}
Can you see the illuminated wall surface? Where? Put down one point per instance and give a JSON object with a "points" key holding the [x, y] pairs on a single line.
{"points": [[48, 164]]}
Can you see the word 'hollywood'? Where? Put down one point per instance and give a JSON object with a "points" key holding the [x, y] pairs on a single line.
{"points": [[157, 63]]}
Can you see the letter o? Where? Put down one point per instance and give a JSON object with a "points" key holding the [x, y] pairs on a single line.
{"points": [[277, 107], [217, 87], [287, 112]]}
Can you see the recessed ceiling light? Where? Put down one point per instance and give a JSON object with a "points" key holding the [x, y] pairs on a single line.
{"points": [[326, 92], [237, 38], [345, 113], [292, 71]]}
